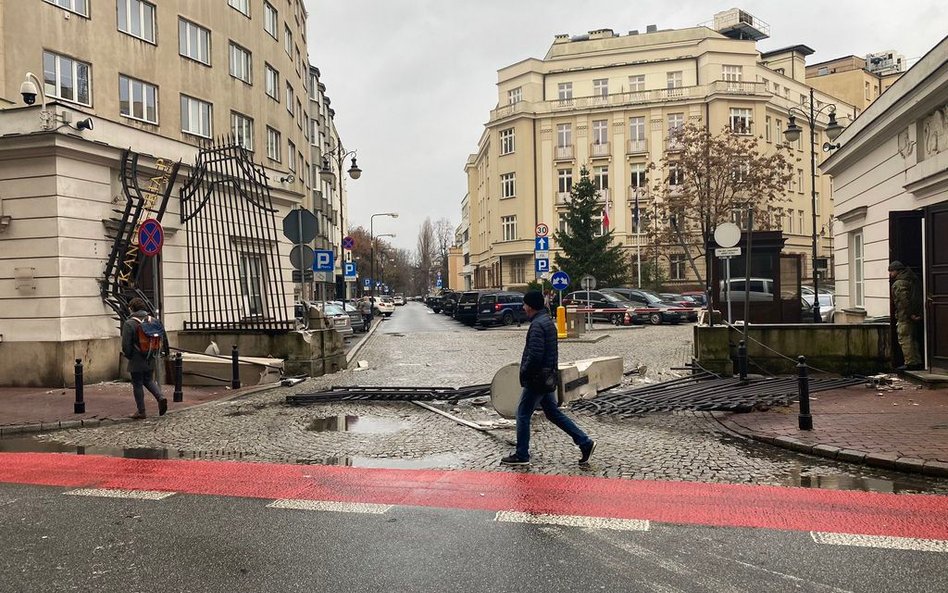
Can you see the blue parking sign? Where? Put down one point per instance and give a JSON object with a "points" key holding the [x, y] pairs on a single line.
{"points": [[367, 282], [349, 270], [543, 266]]}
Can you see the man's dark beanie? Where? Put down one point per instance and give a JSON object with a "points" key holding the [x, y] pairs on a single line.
{"points": [[534, 299], [896, 266]]}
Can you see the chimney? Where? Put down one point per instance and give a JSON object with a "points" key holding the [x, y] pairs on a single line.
{"points": [[651, 28]]}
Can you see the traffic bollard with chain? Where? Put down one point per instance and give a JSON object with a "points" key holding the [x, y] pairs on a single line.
{"points": [[234, 368], [742, 361], [805, 419], [80, 406], [178, 368]]}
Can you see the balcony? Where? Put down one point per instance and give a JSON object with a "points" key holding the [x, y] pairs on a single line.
{"points": [[604, 195], [564, 153], [630, 195], [599, 150], [637, 147], [562, 198], [673, 144]]}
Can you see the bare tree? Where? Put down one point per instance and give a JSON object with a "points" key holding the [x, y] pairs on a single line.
{"points": [[444, 238], [426, 253]]}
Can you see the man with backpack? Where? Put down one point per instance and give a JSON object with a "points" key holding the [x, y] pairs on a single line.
{"points": [[143, 340]]}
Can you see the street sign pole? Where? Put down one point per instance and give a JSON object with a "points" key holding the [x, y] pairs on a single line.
{"points": [[303, 268], [727, 290]]}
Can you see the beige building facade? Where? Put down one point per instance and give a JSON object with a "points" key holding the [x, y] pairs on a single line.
{"points": [[850, 79], [611, 103]]}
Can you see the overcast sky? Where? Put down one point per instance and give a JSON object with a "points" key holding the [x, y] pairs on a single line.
{"points": [[413, 81]]}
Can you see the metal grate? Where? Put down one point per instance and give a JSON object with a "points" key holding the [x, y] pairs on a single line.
{"points": [[389, 394]]}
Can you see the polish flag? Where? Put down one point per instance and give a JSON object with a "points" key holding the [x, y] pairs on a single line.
{"points": [[605, 217]]}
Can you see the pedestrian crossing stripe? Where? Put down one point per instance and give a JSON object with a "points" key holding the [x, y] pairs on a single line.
{"points": [[118, 493], [880, 541], [330, 506], [572, 521]]}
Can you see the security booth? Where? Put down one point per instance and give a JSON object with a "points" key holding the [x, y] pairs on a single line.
{"points": [[774, 289]]}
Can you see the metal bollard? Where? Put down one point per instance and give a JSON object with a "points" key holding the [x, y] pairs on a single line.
{"points": [[80, 406], [803, 387], [177, 366], [742, 361], [234, 368]]}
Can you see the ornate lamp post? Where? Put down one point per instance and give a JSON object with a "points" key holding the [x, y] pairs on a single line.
{"points": [[372, 240], [792, 133], [326, 173]]}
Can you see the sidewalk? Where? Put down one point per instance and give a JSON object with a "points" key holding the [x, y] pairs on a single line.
{"points": [[904, 429]]}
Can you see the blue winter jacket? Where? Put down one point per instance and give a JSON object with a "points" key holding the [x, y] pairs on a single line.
{"points": [[540, 351]]}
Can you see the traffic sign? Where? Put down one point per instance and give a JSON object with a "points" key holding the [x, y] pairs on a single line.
{"points": [[727, 234], [367, 282], [438, 282], [349, 270], [150, 237], [541, 254], [297, 222], [325, 261], [727, 251], [560, 280], [588, 282], [542, 229], [320, 276], [541, 244], [307, 275], [542, 266], [348, 242], [301, 257]]}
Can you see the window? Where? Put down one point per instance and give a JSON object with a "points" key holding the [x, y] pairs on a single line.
{"points": [[868, 87], [66, 79], [767, 135], [514, 95], [76, 6], [800, 180], [299, 59], [637, 82], [195, 116], [242, 6], [731, 73], [137, 18], [291, 155], [564, 179], [600, 178], [673, 80], [562, 224], [287, 40], [740, 120], [677, 265], [289, 98], [241, 127], [676, 176], [856, 258], [600, 131], [273, 144], [779, 134], [138, 100], [314, 131], [637, 128], [564, 135], [239, 63], [800, 221], [271, 20], [507, 141], [601, 87], [272, 83], [565, 91], [251, 284], [299, 114], [676, 123], [509, 224], [638, 175], [194, 41], [508, 185], [789, 225], [518, 275]]}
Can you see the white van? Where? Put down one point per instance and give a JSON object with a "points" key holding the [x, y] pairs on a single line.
{"points": [[761, 290]]}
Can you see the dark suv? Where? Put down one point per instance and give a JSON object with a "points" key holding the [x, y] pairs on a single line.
{"points": [[504, 308], [449, 299], [618, 311], [465, 310], [661, 311]]}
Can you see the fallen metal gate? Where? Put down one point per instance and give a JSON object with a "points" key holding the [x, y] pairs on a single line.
{"points": [[389, 394], [704, 391]]}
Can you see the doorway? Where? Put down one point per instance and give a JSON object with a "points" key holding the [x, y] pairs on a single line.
{"points": [[905, 245], [936, 283]]}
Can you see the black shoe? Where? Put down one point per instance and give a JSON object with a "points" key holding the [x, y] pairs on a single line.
{"points": [[587, 451], [138, 416], [162, 406], [514, 460], [914, 367]]}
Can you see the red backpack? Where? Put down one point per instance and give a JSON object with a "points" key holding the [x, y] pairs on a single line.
{"points": [[149, 334]]}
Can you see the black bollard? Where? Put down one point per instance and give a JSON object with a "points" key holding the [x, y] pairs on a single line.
{"points": [[803, 387], [742, 361], [234, 368], [80, 406], [178, 369]]}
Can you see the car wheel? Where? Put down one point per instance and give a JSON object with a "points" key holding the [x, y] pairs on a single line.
{"points": [[616, 319], [436, 310], [655, 318], [388, 314], [507, 318]]}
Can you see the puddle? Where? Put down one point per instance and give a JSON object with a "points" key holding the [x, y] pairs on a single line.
{"points": [[428, 462], [357, 424], [30, 445]]}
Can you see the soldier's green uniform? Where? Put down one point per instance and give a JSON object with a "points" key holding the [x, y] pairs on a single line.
{"points": [[907, 303]]}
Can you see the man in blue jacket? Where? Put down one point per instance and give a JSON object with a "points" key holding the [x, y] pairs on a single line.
{"points": [[539, 378]]}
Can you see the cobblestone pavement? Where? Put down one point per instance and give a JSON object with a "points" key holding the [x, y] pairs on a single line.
{"points": [[260, 427]]}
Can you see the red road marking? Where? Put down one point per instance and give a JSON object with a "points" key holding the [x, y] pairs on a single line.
{"points": [[724, 505]]}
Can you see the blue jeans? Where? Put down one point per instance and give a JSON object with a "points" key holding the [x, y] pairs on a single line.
{"points": [[528, 403], [141, 381]]}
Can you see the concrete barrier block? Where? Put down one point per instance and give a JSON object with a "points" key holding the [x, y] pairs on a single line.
{"points": [[600, 374]]}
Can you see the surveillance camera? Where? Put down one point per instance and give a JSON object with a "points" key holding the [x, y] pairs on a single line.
{"points": [[29, 92]]}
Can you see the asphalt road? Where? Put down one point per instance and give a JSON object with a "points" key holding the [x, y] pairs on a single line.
{"points": [[185, 543], [414, 317]]}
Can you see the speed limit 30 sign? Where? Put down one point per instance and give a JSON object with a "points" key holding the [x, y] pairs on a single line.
{"points": [[542, 229]]}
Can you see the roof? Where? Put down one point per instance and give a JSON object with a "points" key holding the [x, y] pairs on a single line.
{"points": [[803, 49]]}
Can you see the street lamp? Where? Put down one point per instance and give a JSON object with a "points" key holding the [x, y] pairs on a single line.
{"points": [[326, 174], [792, 133], [372, 240]]}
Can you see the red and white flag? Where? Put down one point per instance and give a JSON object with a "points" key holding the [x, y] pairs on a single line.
{"points": [[605, 217]]}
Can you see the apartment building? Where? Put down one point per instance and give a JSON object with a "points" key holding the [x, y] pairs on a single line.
{"points": [[611, 103], [853, 79], [164, 81]]}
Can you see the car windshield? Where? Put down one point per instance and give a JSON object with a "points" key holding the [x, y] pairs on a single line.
{"points": [[613, 298], [469, 297], [331, 309], [386, 299]]}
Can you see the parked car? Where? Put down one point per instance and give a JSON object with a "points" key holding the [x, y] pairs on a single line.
{"points": [[355, 317], [449, 300], [504, 308], [827, 304], [699, 297], [434, 302], [761, 289], [399, 300], [683, 302], [383, 305], [659, 311], [334, 312], [465, 310], [603, 300]]}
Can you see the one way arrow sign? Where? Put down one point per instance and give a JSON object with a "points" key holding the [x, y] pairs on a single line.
{"points": [[542, 244]]}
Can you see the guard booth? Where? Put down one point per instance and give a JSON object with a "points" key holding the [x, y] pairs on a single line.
{"points": [[774, 289]]}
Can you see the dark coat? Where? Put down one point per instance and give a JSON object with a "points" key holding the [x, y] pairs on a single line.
{"points": [[541, 350], [137, 362], [906, 296]]}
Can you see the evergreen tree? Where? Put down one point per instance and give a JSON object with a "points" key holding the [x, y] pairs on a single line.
{"points": [[583, 250]]}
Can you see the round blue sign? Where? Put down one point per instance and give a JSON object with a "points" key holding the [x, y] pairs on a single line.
{"points": [[150, 237], [348, 243], [559, 280]]}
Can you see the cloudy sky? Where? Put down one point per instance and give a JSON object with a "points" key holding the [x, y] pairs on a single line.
{"points": [[413, 81]]}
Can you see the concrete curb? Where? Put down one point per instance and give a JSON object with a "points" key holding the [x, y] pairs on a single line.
{"points": [[911, 465], [350, 356]]}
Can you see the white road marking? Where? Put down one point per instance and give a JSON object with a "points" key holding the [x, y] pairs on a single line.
{"points": [[880, 541], [116, 493], [573, 521], [331, 506]]}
